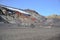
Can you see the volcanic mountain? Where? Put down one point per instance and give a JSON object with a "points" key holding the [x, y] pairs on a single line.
{"points": [[28, 17]]}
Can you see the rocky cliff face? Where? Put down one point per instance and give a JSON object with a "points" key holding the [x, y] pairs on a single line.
{"points": [[35, 14]]}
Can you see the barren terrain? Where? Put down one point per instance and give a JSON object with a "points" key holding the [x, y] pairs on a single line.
{"points": [[29, 33]]}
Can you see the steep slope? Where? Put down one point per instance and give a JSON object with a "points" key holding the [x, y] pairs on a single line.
{"points": [[35, 14], [2, 20]]}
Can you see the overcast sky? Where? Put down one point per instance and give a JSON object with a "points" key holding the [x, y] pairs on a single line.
{"points": [[44, 7]]}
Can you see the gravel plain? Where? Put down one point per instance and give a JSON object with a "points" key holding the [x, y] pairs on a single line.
{"points": [[17, 33]]}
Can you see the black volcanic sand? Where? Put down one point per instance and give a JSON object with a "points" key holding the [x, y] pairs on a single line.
{"points": [[17, 33]]}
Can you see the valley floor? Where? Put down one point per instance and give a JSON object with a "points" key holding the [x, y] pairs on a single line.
{"points": [[30, 33]]}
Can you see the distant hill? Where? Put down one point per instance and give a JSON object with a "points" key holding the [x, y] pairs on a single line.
{"points": [[53, 20], [54, 16]]}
